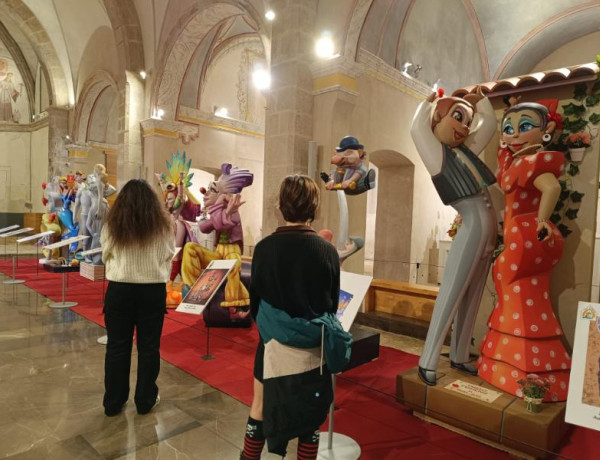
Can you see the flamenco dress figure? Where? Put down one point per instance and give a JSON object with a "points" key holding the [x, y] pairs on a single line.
{"points": [[525, 334]]}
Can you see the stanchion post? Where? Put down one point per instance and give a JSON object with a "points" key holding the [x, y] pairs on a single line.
{"points": [[207, 356]]}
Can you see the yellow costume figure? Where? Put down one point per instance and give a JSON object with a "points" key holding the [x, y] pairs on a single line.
{"points": [[222, 202]]}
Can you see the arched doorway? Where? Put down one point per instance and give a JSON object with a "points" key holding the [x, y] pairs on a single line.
{"points": [[389, 217]]}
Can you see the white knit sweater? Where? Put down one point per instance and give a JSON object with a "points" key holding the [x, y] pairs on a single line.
{"points": [[146, 264]]}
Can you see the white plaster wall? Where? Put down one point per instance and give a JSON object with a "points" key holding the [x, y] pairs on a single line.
{"points": [[15, 167], [229, 84], [100, 53], [578, 51], [39, 167], [382, 122]]}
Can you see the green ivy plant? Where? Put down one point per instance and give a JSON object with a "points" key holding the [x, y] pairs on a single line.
{"points": [[577, 117]]}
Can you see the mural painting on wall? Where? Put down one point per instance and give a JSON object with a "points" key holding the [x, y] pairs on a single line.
{"points": [[222, 201], [449, 133], [13, 97]]}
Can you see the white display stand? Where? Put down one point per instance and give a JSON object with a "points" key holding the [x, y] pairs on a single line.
{"points": [[90, 252], [15, 258], [353, 289], [8, 229], [26, 239], [60, 244]]}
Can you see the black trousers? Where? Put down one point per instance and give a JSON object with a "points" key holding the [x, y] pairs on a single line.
{"points": [[130, 306]]}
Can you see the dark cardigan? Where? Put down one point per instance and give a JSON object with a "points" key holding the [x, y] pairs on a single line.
{"points": [[297, 271]]}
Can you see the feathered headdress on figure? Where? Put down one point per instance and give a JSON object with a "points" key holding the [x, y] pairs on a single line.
{"points": [[171, 181]]}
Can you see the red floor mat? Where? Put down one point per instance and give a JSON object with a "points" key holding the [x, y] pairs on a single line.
{"points": [[366, 407]]}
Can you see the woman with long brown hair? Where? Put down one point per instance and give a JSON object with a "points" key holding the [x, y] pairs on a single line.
{"points": [[137, 248]]}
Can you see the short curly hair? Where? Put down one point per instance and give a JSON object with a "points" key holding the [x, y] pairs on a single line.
{"points": [[299, 198]]}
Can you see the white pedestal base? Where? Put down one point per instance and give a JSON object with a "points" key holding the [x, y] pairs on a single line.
{"points": [[342, 447], [62, 304], [102, 340], [13, 281]]}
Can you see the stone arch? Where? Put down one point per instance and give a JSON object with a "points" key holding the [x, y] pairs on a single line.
{"points": [[17, 12], [95, 110], [128, 34], [547, 37], [180, 47], [389, 217]]}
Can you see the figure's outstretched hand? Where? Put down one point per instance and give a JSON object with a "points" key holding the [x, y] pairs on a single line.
{"points": [[234, 204]]}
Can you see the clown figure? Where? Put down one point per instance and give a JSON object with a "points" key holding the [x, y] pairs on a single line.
{"points": [[222, 201]]}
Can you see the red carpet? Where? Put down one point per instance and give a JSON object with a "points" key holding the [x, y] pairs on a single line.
{"points": [[367, 410]]}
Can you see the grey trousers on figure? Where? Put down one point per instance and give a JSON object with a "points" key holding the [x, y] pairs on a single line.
{"points": [[463, 282]]}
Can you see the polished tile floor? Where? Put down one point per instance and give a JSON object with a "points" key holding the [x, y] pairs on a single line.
{"points": [[51, 387]]}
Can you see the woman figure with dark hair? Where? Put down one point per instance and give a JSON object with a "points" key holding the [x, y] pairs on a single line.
{"points": [[525, 336], [296, 274], [137, 248]]}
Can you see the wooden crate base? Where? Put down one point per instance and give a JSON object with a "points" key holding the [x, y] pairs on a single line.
{"points": [[503, 423], [92, 272]]}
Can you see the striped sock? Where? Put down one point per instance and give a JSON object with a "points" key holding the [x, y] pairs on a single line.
{"points": [[308, 446], [254, 440]]}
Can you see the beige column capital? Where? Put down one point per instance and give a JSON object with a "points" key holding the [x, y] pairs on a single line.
{"points": [[336, 74], [163, 128]]}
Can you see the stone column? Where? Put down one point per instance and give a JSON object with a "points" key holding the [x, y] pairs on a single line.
{"points": [[58, 129], [131, 109], [335, 90], [160, 140], [290, 107]]}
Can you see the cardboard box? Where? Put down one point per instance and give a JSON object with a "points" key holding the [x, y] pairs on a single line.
{"points": [[91, 271]]}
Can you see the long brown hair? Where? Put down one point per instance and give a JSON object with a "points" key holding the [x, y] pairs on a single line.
{"points": [[137, 216]]}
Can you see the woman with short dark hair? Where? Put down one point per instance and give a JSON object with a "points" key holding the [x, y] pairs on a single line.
{"points": [[296, 272], [137, 248]]}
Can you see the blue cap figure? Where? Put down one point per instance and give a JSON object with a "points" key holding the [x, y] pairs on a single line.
{"points": [[349, 142]]}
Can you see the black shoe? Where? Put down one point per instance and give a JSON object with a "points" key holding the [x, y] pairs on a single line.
{"points": [[427, 376], [144, 412], [114, 412], [467, 368]]}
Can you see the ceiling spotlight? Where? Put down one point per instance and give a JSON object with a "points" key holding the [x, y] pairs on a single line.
{"points": [[405, 67], [67, 137], [324, 46], [270, 15], [143, 74], [221, 112], [261, 79]]}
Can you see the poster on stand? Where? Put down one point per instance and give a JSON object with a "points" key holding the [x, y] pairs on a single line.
{"points": [[206, 286], [353, 289], [583, 402]]}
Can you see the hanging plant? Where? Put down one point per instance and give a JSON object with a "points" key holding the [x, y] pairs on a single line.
{"points": [[580, 120]]}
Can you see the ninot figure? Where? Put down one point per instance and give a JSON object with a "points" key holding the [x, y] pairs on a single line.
{"points": [[449, 133], [222, 201], [525, 336], [350, 173]]}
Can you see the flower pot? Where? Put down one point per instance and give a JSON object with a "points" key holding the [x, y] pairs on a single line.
{"points": [[576, 153], [533, 404]]}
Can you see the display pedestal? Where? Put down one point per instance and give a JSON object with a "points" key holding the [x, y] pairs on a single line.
{"points": [[335, 445], [13, 280], [63, 269], [342, 447], [503, 423]]}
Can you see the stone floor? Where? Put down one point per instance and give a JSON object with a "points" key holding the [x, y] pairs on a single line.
{"points": [[51, 386]]}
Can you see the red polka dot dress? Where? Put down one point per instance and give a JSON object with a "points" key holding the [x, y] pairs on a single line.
{"points": [[525, 335]]}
